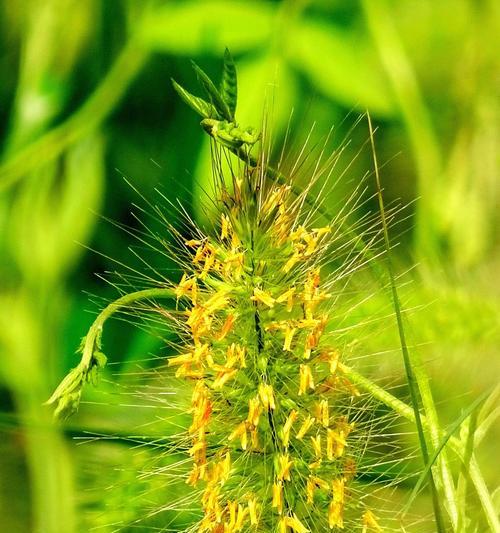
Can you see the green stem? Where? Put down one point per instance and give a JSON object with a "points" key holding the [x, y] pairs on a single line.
{"points": [[410, 376], [66, 397], [407, 412], [422, 136], [88, 117]]}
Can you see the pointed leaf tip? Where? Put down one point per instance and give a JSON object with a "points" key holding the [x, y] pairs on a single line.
{"points": [[202, 107], [229, 83], [213, 93]]}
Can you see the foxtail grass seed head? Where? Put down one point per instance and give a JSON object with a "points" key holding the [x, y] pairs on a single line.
{"points": [[277, 431], [271, 443]]}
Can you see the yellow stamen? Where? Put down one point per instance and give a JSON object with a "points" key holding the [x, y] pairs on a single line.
{"points": [[180, 359], [278, 496], [225, 226], [294, 524], [288, 297], [316, 443], [322, 413], [308, 422], [227, 327], [223, 377], [240, 432], [254, 411], [261, 296], [252, 511], [284, 465], [290, 332], [288, 426], [267, 396], [192, 243], [370, 521], [306, 379]]}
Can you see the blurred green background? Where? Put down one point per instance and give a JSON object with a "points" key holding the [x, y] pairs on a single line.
{"points": [[86, 99]]}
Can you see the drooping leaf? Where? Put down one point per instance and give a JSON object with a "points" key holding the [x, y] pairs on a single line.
{"points": [[229, 83], [213, 93], [203, 108]]}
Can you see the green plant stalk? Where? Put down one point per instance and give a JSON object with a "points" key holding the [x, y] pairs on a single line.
{"points": [[378, 392], [462, 478], [456, 445], [67, 395], [470, 411], [410, 376], [89, 116]]}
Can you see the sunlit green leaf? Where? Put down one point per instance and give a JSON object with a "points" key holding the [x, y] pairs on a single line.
{"points": [[342, 65], [195, 27]]}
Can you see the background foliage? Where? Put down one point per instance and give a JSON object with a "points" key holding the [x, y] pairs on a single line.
{"points": [[86, 99]]}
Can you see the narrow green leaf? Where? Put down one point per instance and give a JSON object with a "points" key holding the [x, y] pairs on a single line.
{"points": [[442, 444], [213, 93], [229, 83], [203, 108], [412, 379]]}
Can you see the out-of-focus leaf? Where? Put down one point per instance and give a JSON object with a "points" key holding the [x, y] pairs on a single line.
{"points": [[342, 65], [229, 83], [191, 28], [56, 211]]}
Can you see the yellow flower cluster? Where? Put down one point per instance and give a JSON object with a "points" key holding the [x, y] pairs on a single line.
{"points": [[266, 380]]}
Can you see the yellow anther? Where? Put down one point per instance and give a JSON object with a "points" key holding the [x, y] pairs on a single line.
{"points": [[254, 411], [181, 359], [338, 490], [227, 327], [289, 333], [370, 522], [335, 515], [225, 227], [293, 523], [193, 242], [218, 301], [335, 444], [261, 296], [287, 297], [252, 511], [266, 395], [316, 443], [288, 426], [278, 496], [306, 379], [306, 426], [284, 466], [226, 467], [322, 413], [242, 512], [291, 262], [223, 377], [240, 432], [186, 285]]}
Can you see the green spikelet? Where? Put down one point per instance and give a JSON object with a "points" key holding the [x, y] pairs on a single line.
{"points": [[270, 401]]}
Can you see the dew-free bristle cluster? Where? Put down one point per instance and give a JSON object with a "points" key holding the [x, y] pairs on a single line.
{"points": [[271, 436]]}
